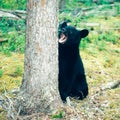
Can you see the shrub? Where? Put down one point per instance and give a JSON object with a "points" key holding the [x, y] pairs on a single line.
{"points": [[109, 37], [1, 73], [84, 43], [13, 4], [18, 71], [14, 32]]}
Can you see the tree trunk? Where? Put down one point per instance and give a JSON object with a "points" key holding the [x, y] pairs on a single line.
{"points": [[40, 81]]}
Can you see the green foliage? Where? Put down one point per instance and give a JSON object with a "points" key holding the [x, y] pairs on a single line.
{"points": [[16, 42], [100, 40], [18, 71], [7, 52], [1, 73], [109, 37], [8, 25], [84, 43], [101, 45], [118, 9], [58, 115], [13, 4], [76, 4], [14, 32]]}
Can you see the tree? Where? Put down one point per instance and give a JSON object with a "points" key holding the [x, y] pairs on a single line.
{"points": [[39, 89]]}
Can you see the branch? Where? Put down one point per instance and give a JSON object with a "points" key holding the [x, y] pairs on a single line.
{"points": [[6, 14], [112, 85], [16, 14]]}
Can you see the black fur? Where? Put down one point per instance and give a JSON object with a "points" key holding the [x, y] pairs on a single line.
{"points": [[72, 79]]}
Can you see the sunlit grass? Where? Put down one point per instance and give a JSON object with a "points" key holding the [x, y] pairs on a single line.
{"points": [[13, 70]]}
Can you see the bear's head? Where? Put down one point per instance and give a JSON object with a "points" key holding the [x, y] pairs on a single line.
{"points": [[69, 35]]}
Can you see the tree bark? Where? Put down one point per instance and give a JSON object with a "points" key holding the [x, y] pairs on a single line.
{"points": [[39, 89]]}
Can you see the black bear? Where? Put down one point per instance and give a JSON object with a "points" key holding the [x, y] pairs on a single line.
{"points": [[72, 79]]}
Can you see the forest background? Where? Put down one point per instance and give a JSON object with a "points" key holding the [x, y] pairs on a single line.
{"points": [[100, 52]]}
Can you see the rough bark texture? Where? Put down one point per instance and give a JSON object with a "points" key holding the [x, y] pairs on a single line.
{"points": [[40, 82]]}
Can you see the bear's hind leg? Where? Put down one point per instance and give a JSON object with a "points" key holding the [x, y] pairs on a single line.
{"points": [[80, 87]]}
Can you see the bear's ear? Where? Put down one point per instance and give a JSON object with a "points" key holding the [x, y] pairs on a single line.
{"points": [[64, 24], [84, 33]]}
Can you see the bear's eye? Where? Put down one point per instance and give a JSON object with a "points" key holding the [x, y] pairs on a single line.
{"points": [[71, 32], [63, 29]]}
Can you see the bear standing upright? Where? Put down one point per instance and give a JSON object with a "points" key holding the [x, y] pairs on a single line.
{"points": [[72, 79]]}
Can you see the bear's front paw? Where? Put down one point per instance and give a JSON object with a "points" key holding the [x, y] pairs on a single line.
{"points": [[82, 94]]}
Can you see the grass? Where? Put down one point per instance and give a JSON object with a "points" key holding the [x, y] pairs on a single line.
{"points": [[13, 70], [1, 73]]}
